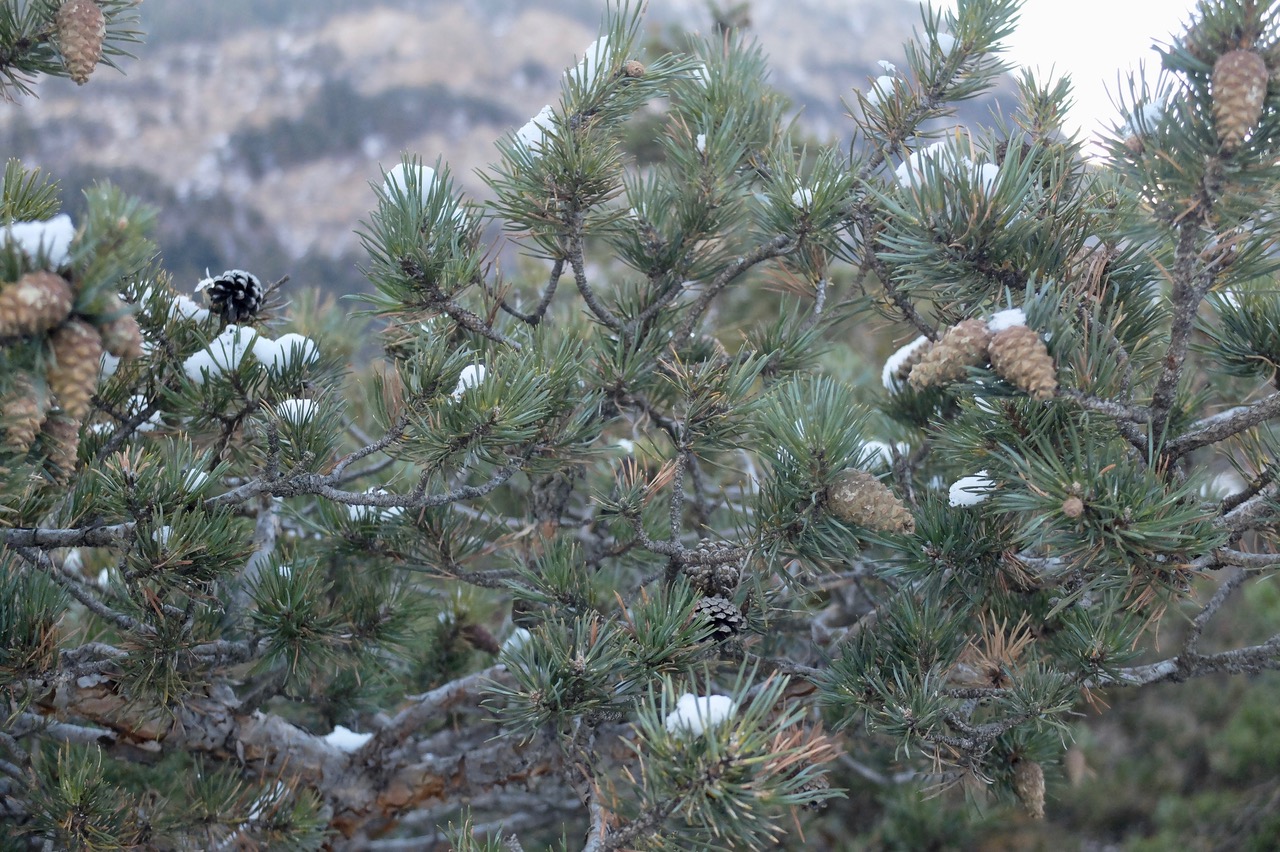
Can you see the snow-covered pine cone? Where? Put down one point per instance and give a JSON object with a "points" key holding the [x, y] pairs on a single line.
{"points": [[1028, 784], [122, 337], [723, 615], [857, 497], [236, 295], [963, 345], [77, 360], [22, 411], [712, 569], [1239, 90], [35, 303], [81, 30], [1020, 357]]}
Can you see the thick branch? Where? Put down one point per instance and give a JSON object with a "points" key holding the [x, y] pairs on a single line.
{"points": [[1224, 424]]}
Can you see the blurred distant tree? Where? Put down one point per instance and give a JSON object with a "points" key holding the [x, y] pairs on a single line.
{"points": [[639, 563]]}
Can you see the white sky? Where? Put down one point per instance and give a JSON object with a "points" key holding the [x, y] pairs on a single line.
{"points": [[1095, 42]]}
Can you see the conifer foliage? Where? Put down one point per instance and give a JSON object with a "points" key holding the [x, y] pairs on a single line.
{"points": [[621, 549]]}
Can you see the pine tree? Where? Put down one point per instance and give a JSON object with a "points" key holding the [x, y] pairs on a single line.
{"points": [[595, 562]]}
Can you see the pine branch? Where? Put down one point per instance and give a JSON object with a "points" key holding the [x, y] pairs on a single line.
{"points": [[48, 539], [1223, 425], [776, 247], [81, 591]]}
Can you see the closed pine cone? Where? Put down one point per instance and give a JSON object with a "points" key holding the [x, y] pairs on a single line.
{"points": [[122, 337], [35, 303], [62, 442], [1028, 784], [964, 345], [1239, 89], [77, 360], [856, 497], [81, 29], [1020, 357], [21, 412]]}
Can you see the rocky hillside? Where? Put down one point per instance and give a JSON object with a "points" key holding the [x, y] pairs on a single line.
{"points": [[257, 126]]}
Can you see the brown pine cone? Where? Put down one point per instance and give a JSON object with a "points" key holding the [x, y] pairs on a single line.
{"points": [[61, 437], [1239, 90], [712, 569], [813, 785], [35, 303], [77, 360], [900, 364], [81, 30], [964, 345], [1020, 357], [22, 411], [122, 337], [724, 617], [856, 497], [1028, 784]]}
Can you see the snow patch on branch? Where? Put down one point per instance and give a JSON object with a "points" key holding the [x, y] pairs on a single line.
{"points": [[695, 715]]}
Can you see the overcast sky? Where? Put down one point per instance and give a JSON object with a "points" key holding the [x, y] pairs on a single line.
{"points": [[1095, 41]]}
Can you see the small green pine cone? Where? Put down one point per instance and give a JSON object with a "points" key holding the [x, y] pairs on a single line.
{"points": [[856, 497], [1020, 357], [964, 345], [35, 303]]}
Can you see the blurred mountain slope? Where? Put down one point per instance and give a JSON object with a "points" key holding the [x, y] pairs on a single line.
{"points": [[257, 125]]}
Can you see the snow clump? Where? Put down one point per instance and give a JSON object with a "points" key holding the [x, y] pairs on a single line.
{"points": [[345, 739], [970, 490], [472, 375], [533, 135], [296, 411], [694, 715], [52, 237], [223, 354], [1001, 320]]}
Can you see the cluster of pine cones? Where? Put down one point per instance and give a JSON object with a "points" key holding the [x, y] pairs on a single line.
{"points": [[40, 306], [714, 570], [1015, 352]]}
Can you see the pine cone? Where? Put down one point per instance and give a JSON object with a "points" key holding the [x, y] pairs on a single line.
{"points": [[22, 411], [964, 345], [73, 375], [813, 785], [712, 570], [37, 302], [915, 351], [1028, 784], [81, 29], [1073, 507], [61, 435], [235, 294], [858, 498], [1239, 89], [724, 617], [1020, 357], [122, 337], [633, 68]]}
